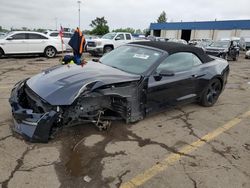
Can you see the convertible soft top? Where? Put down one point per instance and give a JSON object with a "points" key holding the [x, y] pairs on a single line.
{"points": [[173, 47]]}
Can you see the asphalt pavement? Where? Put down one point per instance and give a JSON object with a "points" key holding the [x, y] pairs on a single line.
{"points": [[188, 146]]}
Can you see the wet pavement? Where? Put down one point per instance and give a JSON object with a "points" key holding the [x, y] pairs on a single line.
{"points": [[82, 156]]}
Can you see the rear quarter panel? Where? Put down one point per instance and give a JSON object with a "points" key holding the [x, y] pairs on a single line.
{"points": [[218, 68]]}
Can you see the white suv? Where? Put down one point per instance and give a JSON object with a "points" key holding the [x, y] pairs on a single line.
{"points": [[26, 42]]}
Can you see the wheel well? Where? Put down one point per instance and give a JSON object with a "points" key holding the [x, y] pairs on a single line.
{"points": [[2, 50], [220, 79], [109, 45], [50, 46]]}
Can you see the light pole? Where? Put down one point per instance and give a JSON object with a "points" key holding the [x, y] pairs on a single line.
{"points": [[79, 12], [56, 22]]}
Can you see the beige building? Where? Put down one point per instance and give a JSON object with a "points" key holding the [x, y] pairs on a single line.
{"points": [[214, 30]]}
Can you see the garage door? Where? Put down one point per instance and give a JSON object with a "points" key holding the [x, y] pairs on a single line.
{"points": [[202, 34], [245, 33], [171, 33], [223, 34]]}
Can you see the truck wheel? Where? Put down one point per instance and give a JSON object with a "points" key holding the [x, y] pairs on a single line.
{"points": [[107, 49], [50, 52]]}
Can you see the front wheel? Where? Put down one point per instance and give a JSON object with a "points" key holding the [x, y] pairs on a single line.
{"points": [[211, 93], [50, 52], [107, 49]]}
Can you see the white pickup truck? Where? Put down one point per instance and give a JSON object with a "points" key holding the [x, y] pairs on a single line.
{"points": [[108, 42]]}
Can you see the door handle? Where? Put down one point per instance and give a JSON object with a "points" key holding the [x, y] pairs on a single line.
{"points": [[197, 76]]}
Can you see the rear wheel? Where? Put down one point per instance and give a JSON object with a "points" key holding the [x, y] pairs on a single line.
{"points": [[50, 52], [211, 93]]}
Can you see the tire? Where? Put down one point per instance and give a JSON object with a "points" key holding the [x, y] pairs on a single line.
{"points": [[50, 52], [236, 57], [107, 49], [225, 56], [211, 93], [1, 53]]}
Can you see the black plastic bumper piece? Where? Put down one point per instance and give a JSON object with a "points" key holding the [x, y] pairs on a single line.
{"points": [[34, 127]]}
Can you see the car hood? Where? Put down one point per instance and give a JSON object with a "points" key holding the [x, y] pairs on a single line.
{"points": [[215, 49], [100, 40], [61, 85]]}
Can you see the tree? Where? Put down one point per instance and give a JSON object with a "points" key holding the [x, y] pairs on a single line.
{"points": [[25, 29], [99, 26], [128, 30], [162, 18], [146, 32], [138, 31], [39, 30]]}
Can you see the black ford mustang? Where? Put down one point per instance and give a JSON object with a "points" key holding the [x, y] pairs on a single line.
{"points": [[127, 84]]}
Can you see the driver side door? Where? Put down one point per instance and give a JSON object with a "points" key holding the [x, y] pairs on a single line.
{"points": [[119, 40], [179, 87]]}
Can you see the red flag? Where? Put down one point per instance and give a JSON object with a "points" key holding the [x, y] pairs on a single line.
{"points": [[61, 33], [61, 36]]}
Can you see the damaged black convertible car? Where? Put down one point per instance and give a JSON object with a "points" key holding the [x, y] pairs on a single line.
{"points": [[128, 84]]}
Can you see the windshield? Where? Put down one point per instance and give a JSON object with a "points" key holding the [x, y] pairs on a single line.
{"points": [[2, 35], [220, 44], [109, 36], [6, 34], [131, 59]]}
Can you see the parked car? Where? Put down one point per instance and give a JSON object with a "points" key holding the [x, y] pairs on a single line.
{"points": [[247, 56], [2, 34], [161, 39], [181, 41], [66, 37], [153, 38], [225, 49], [27, 42], [129, 83], [202, 43], [240, 42], [108, 42], [247, 40]]}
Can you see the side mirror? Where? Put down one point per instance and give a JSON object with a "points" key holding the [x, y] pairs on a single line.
{"points": [[118, 38], [166, 73], [9, 38]]}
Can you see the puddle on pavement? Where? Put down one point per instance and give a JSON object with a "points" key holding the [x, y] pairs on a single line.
{"points": [[79, 161], [73, 166]]}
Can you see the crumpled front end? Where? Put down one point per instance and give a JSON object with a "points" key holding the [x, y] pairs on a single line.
{"points": [[33, 117]]}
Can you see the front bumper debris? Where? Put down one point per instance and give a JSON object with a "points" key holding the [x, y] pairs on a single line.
{"points": [[34, 127]]}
